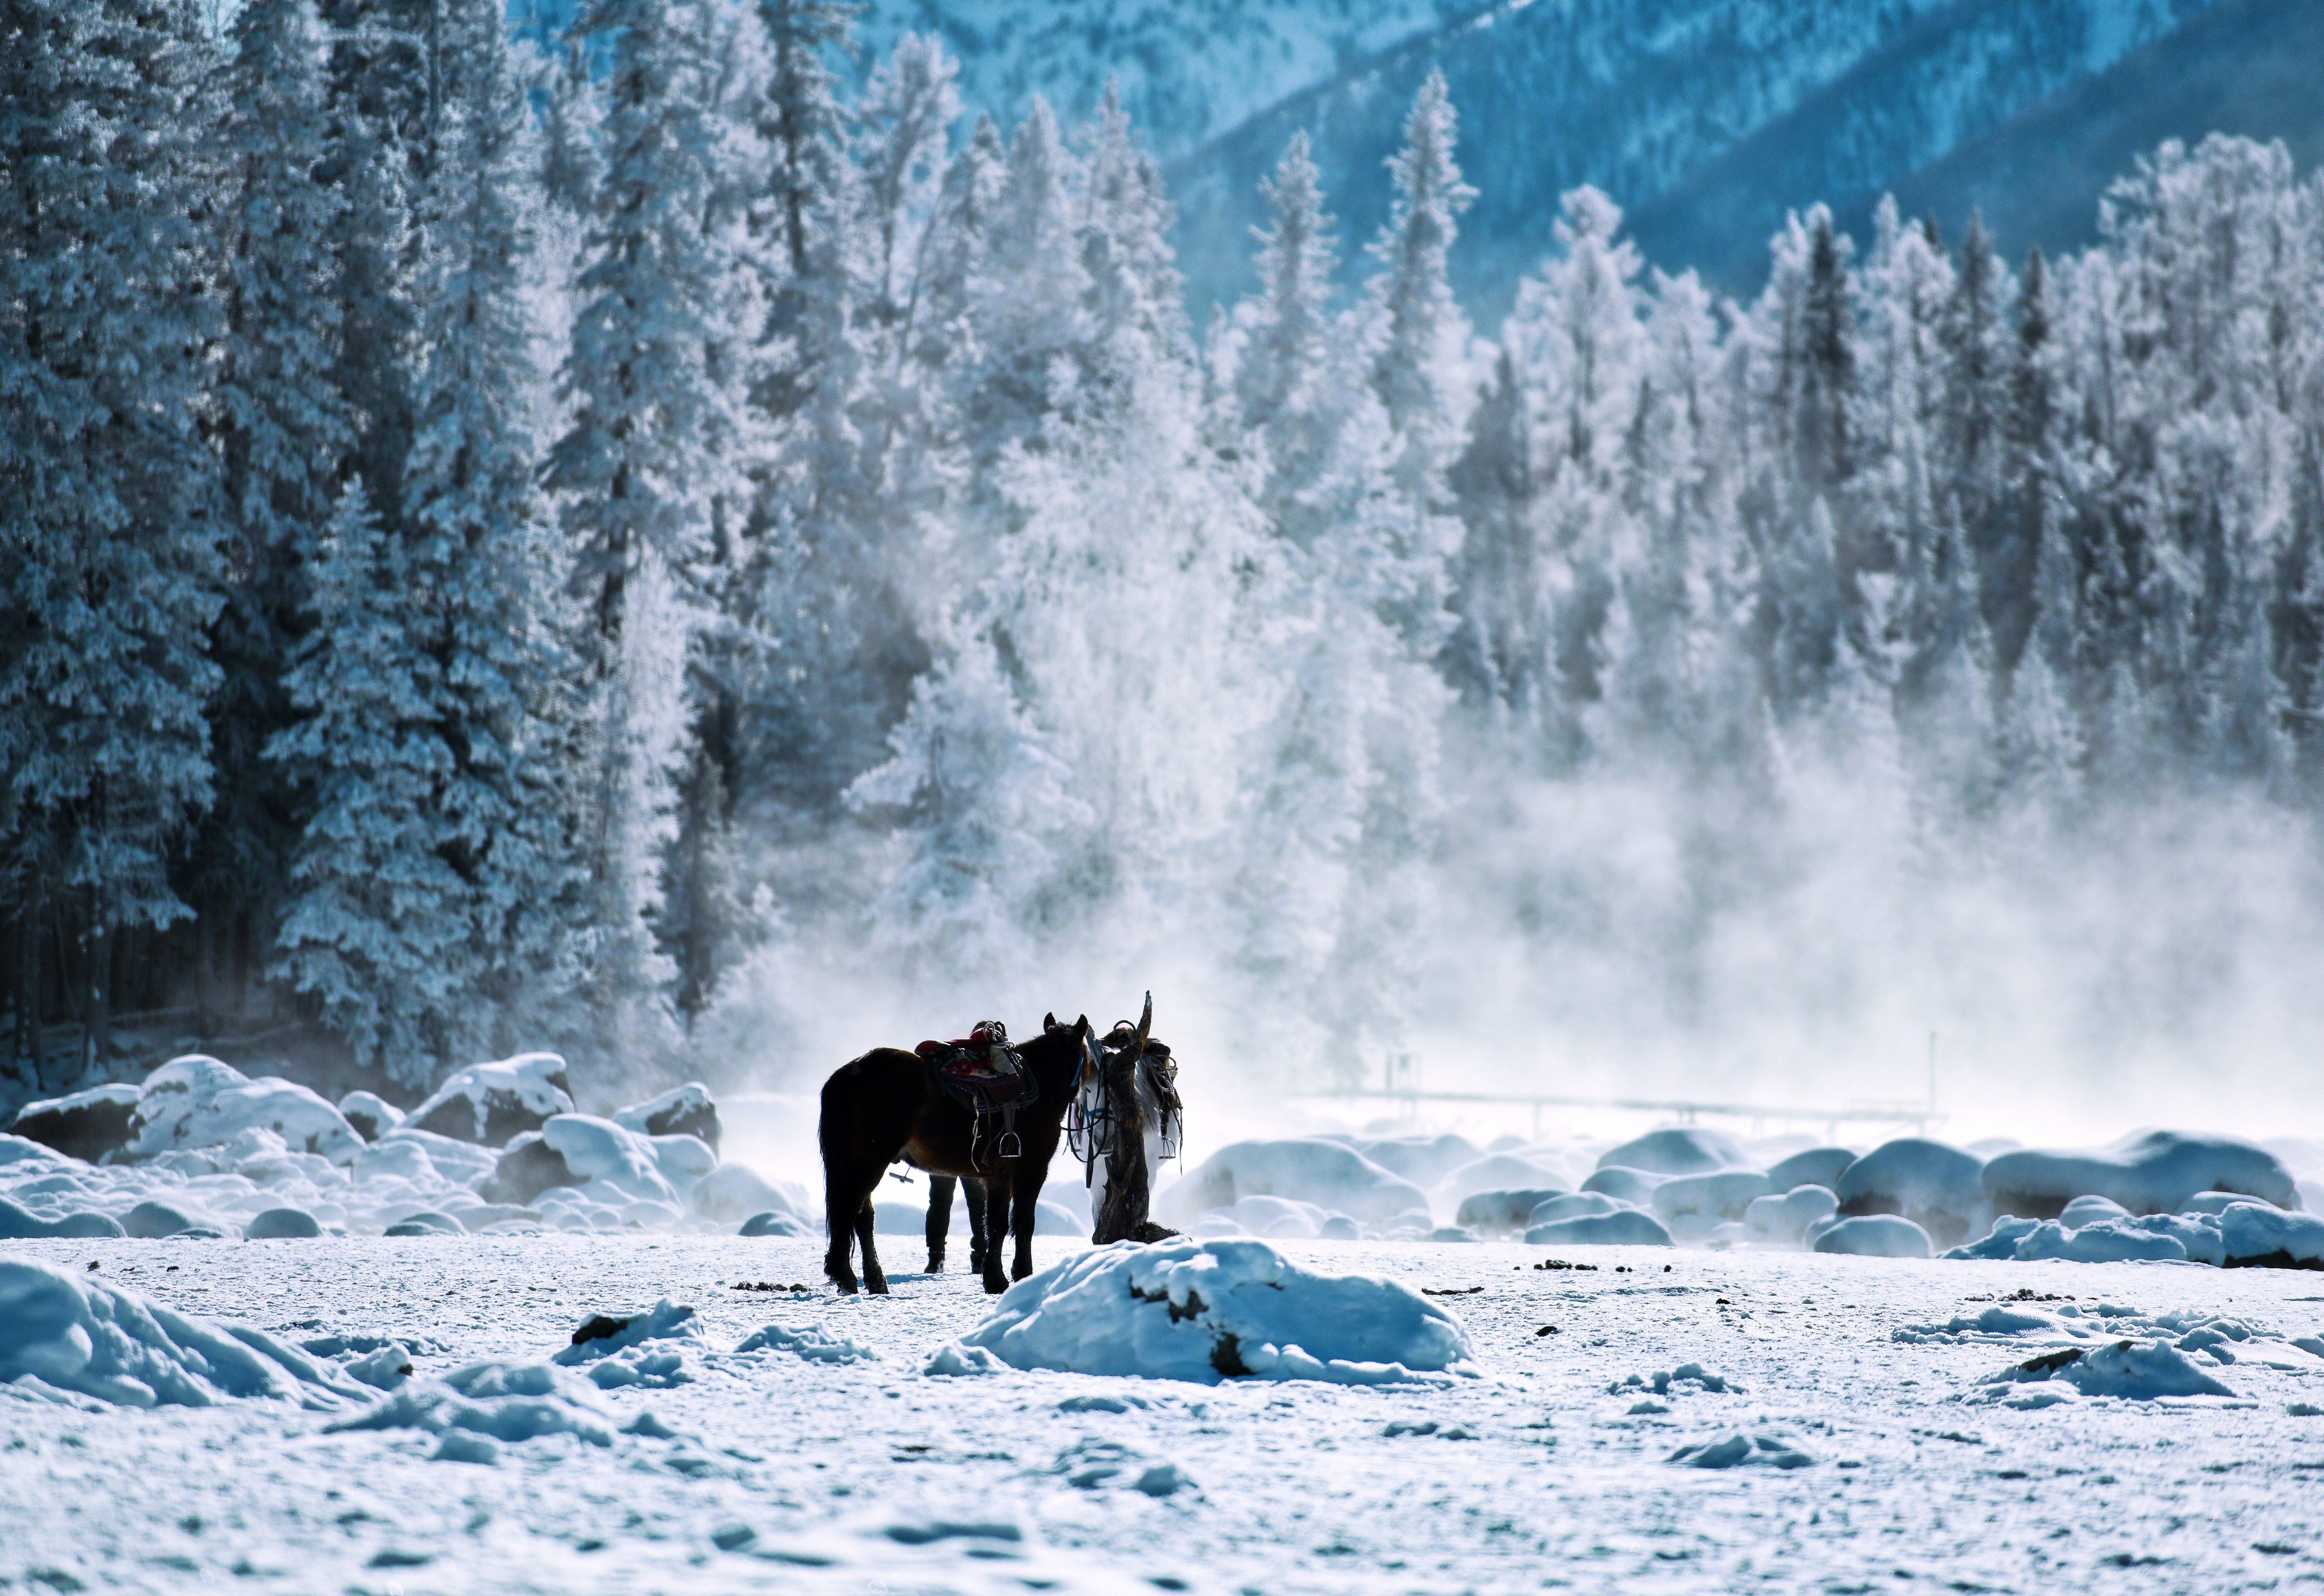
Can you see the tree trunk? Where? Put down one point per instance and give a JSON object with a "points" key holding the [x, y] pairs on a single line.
{"points": [[28, 975], [97, 1031]]}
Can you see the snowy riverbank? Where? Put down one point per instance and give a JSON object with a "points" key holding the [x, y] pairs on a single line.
{"points": [[805, 1465]]}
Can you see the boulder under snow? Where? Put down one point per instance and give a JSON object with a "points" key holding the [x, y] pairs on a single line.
{"points": [[682, 1111], [195, 1102], [86, 1125], [1934, 1186], [2154, 1173], [372, 1115], [492, 1104], [1678, 1150]]}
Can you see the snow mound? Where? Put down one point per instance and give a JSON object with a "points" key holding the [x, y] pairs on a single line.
{"points": [[771, 1224], [282, 1224], [1625, 1227], [1725, 1193], [1738, 1450], [614, 1165], [1934, 1186], [953, 1361], [2155, 1173], [526, 1167], [488, 1103], [86, 1125], [1422, 1160], [195, 1101], [372, 1115], [1502, 1211], [682, 1111], [651, 1368], [1634, 1187], [1207, 1311], [2251, 1235], [733, 1192], [1875, 1235], [1495, 1171], [1786, 1218], [2245, 1234], [494, 1402], [1328, 1173], [1573, 1206], [603, 1335], [69, 1335], [2111, 1241], [20, 1223], [1815, 1165], [2090, 1210], [1678, 1150], [811, 1342], [1674, 1382], [2139, 1371], [151, 1220]]}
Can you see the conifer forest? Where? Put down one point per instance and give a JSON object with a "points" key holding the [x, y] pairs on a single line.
{"points": [[638, 542]]}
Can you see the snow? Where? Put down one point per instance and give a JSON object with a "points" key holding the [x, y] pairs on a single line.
{"points": [[1814, 1166], [1206, 1310], [1501, 1211], [372, 1115], [682, 1111], [2242, 1234], [823, 1458], [1624, 1184], [2152, 1173]]}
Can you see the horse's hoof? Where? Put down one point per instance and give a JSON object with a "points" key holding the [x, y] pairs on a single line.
{"points": [[995, 1285], [877, 1287]]}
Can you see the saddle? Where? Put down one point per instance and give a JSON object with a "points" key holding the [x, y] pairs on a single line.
{"points": [[985, 1075]]}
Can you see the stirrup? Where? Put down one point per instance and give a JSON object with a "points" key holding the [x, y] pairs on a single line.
{"points": [[1007, 1147]]}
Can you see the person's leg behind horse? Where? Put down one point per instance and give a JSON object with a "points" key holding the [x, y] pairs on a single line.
{"points": [[940, 1189]]}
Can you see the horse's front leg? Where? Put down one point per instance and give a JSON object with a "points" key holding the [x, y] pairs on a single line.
{"points": [[997, 1187], [940, 1188]]}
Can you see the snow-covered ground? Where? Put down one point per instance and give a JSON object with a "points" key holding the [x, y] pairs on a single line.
{"points": [[1875, 1453]]}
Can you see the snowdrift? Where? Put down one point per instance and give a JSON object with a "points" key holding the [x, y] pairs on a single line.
{"points": [[1209, 1311], [59, 1334]]}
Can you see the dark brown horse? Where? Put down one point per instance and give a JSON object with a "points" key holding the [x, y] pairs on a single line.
{"points": [[888, 1106]]}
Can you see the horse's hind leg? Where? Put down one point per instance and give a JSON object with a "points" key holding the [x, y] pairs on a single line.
{"points": [[996, 1219], [875, 1278], [940, 1188], [980, 1232]]}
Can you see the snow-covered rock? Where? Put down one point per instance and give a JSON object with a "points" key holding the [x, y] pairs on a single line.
{"points": [[275, 1224], [1875, 1235], [1490, 1212], [1724, 1194], [2090, 1210], [2154, 1173], [1573, 1206], [1815, 1165], [151, 1220], [2101, 1242], [67, 1333], [776, 1223], [372, 1115], [455, 1162], [2253, 1235], [1422, 1160], [526, 1167], [1495, 1172], [682, 1111], [602, 1334], [195, 1103], [1282, 1218], [1786, 1218], [489, 1103], [1934, 1186], [1207, 1311], [1625, 1227], [85, 1125], [683, 1159], [1678, 1150], [1328, 1173], [1624, 1184], [608, 1158]]}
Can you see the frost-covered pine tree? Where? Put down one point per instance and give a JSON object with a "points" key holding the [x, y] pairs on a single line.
{"points": [[283, 431], [639, 474], [377, 928], [109, 529], [484, 562]]}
